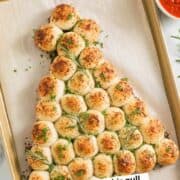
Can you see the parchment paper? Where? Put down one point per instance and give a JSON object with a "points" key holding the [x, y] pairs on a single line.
{"points": [[129, 47]]}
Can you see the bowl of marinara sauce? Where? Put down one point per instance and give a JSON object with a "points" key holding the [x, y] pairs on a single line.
{"points": [[170, 7]]}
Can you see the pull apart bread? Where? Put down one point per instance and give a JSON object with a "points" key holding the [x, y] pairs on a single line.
{"points": [[90, 124]]}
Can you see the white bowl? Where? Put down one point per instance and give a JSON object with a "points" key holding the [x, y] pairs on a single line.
{"points": [[165, 11]]}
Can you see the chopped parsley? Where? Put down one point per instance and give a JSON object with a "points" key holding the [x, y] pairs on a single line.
{"points": [[69, 16], [69, 139], [119, 87], [69, 41], [34, 30], [70, 127], [51, 167], [102, 76], [84, 115], [130, 133], [135, 112], [67, 91], [124, 79], [176, 37], [43, 134], [29, 67], [96, 43], [87, 43], [168, 149], [61, 177], [104, 113], [68, 54], [52, 97], [60, 149], [54, 108], [98, 85], [37, 155], [177, 60], [80, 172]]}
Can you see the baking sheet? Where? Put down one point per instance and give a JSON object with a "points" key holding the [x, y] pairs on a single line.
{"points": [[129, 47]]}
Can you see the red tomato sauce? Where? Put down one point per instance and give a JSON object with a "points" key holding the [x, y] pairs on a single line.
{"points": [[172, 6]]}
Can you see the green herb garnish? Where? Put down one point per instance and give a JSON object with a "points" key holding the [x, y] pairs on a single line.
{"points": [[37, 155], [124, 79], [51, 167], [70, 127], [69, 16], [43, 134], [168, 149], [119, 87], [130, 133], [59, 178], [60, 150], [69, 41], [84, 115], [86, 41], [68, 54], [98, 85], [52, 97], [104, 113], [80, 172], [176, 37], [67, 91], [98, 43], [102, 76], [135, 112], [54, 108]]}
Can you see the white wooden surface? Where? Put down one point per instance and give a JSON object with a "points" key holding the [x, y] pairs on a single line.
{"points": [[14, 10]]}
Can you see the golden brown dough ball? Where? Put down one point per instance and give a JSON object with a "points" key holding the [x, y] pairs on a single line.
{"points": [[47, 36], [124, 162], [145, 158], [136, 111], [81, 169], [120, 93], [70, 45], [167, 152], [103, 166], [152, 131], [91, 57], [88, 29], [85, 146], [63, 68], [64, 16], [50, 88], [108, 142], [106, 75]]}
